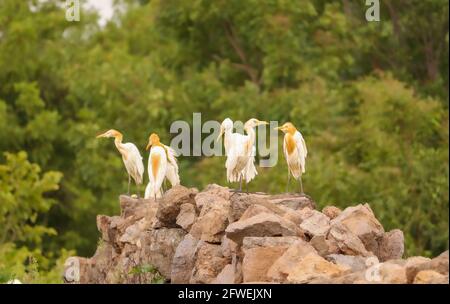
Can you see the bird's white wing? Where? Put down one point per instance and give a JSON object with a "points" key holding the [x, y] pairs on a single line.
{"points": [[301, 148], [133, 162], [230, 164], [172, 167], [250, 170], [240, 158], [235, 149]]}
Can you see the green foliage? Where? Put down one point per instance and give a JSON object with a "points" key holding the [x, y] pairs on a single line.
{"points": [[22, 199], [23, 231], [371, 99], [142, 270], [31, 266]]}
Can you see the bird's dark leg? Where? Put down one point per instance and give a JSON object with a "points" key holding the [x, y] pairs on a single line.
{"points": [[288, 179], [129, 183], [240, 186], [301, 184], [163, 186]]}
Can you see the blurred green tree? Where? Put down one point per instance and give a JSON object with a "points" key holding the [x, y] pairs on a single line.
{"points": [[371, 99]]}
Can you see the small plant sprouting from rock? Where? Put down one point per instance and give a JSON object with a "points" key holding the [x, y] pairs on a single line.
{"points": [[142, 270]]}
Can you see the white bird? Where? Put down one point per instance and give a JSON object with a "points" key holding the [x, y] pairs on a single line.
{"points": [[240, 151], [162, 163], [131, 157], [295, 152]]}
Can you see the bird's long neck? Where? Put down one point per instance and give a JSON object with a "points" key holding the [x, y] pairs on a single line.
{"points": [[252, 134], [118, 142], [226, 138]]}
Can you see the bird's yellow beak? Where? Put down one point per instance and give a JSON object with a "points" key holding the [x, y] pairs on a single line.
{"points": [[101, 135], [278, 128], [261, 122], [220, 134]]}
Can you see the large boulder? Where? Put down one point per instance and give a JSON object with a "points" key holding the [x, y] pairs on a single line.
{"points": [[159, 248], [187, 216], [430, 277], [106, 225], [391, 245], [361, 222], [324, 246], [170, 204], [439, 264], [281, 268], [183, 260], [212, 222], [230, 274], [212, 195], [139, 207], [241, 202], [209, 262], [229, 248], [269, 241], [355, 263], [392, 273], [132, 233], [316, 223], [313, 267], [262, 224], [257, 262], [331, 211], [347, 242], [292, 201]]}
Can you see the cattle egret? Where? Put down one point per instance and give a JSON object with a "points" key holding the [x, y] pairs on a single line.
{"points": [[131, 157], [162, 163], [295, 152], [240, 151]]}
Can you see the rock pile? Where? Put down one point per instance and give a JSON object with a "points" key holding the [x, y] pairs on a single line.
{"points": [[217, 236]]}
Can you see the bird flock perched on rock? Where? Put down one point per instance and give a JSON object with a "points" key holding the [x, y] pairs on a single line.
{"points": [[240, 154]]}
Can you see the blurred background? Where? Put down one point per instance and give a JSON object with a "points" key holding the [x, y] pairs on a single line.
{"points": [[371, 99]]}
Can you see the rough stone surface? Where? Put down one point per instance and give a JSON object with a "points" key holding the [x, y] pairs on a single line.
{"points": [[209, 262], [430, 277], [331, 211], [262, 224], [360, 221], [324, 246], [355, 263], [392, 273], [391, 245], [160, 247], [291, 257], [439, 264], [187, 216], [169, 205], [257, 262], [313, 267], [183, 260], [347, 242], [316, 224], [211, 224], [218, 236], [230, 274], [268, 241]]}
